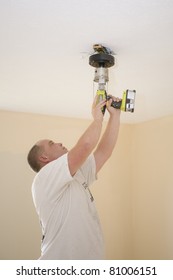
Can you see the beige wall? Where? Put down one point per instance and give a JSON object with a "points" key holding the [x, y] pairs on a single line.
{"points": [[152, 158], [133, 192]]}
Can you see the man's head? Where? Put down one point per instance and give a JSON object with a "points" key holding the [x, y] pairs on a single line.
{"points": [[43, 152]]}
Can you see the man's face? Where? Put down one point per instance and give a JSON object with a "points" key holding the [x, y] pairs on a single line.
{"points": [[51, 150]]}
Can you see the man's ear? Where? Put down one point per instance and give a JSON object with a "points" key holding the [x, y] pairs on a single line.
{"points": [[43, 158]]}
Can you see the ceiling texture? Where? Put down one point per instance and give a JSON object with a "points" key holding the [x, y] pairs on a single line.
{"points": [[45, 47]]}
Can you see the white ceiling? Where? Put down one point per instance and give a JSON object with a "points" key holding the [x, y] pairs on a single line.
{"points": [[45, 47]]}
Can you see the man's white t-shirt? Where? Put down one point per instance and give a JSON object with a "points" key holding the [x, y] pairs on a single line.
{"points": [[66, 209]]}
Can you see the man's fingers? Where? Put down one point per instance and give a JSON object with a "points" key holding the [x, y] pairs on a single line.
{"points": [[109, 102], [97, 103]]}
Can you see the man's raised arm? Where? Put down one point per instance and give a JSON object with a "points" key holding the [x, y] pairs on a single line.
{"points": [[88, 141], [109, 138]]}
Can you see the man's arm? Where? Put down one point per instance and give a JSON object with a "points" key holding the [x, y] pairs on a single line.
{"points": [[109, 138], [88, 141]]}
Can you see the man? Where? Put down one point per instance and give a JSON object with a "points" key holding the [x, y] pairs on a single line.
{"points": [[61, 194]]}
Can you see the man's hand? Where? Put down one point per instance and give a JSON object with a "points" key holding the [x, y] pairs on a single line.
{"points": [[96, 109], [112, 110]]}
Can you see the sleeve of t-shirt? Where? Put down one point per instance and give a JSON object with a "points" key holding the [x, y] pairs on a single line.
{"points": [[88, 170], [54, 178]]}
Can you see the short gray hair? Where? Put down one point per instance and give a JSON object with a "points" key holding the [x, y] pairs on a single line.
{"points": [[33, 158]]}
